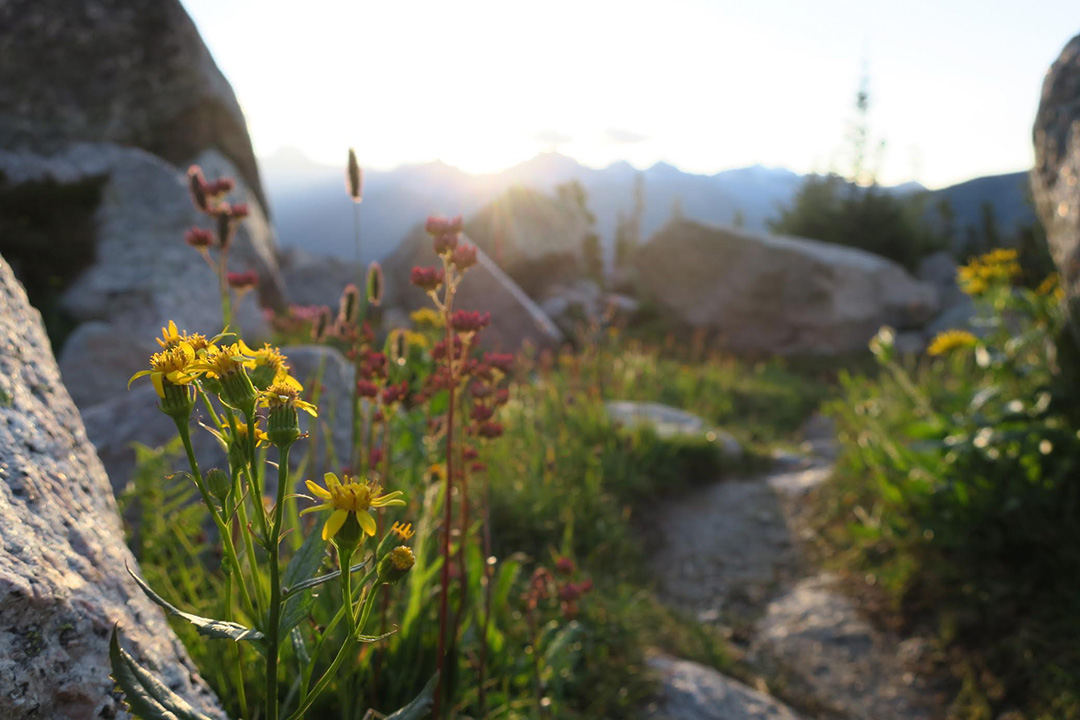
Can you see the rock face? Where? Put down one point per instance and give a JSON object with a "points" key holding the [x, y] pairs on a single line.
{"points": [[535, 238], [694, 692], [105, 131], [774, 294], [62, 553], [515, 318], [130, 73], [143, 274], [318, 279], [1056, 177], [669, 421]]}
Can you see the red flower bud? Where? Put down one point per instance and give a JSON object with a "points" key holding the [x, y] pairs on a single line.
{"points": [[428, 278], [239, 211], [199, 238], [464, 257], [480, 413], [490, 430], [502, 361], [464, 321], [445, 243], [243, 281], [366, 388]]}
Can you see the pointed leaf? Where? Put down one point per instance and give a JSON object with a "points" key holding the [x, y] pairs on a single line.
{"points": [[421, 704], [205, 626], [145, 695], [306, 562], [289, 591]]}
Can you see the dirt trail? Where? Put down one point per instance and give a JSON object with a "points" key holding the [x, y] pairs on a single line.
{"points": [[733, 555]]}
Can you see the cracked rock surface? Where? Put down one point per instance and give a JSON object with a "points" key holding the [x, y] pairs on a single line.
{"points": [[62, 554]]}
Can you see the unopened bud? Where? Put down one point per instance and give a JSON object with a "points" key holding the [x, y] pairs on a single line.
{"points": [[218, 483], [374, 284], [354, 178], [396, 564], [349, 305], [177, 400]]}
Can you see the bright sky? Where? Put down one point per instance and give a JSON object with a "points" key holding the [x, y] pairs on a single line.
{"points": [[706, 86]]}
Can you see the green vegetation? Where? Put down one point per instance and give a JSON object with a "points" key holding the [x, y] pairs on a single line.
{"points": [[956, 496], [565, 484]]}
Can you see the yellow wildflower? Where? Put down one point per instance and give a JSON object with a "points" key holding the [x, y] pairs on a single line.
{"points": [[171, 337], [997, 266], [285, 394], [950, 340], [426, 317], [1051, 287], [222, 360], [350, 497], [403, 531], [172, 364], [271, 368]]}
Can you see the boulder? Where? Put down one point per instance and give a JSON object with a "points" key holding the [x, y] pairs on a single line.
{"points": [[515, 318], [1055, 180], [691, 691], [535, 238], [778, 295], [318, 279], [130, 73], [668, 422], [142, 273], [63, 585]]}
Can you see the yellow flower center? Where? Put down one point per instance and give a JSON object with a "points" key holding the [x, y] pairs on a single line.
{"points": [[272, 357], [352, 496], [402, 558], [404, 532], [174, 359], [226, 359], [281, 395]]}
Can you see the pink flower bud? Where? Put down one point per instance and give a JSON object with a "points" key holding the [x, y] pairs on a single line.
{"points": [[428, 278]]}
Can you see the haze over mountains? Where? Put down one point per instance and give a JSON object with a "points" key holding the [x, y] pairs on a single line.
{"points": [[311, 209]]}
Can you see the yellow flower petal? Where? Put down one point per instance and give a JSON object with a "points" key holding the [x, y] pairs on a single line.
{"points": [[367, 523], [388, 500], [136, 376], [329, 478], [158, 385], [316, 508], [317, 490], [334, 523]]}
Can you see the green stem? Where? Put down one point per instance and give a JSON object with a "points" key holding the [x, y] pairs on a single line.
{"points": [[274, 622], [345, 558], [344, 652], [223, 530]]}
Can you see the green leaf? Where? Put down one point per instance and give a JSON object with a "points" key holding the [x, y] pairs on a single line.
{"points": [[205, 626], [306, 562], [289, 591], [145, 695], [420, 705]]}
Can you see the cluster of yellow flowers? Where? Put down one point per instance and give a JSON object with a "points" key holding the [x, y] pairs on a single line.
{"points": [[238, 374], [996, 266], [950, 340]]}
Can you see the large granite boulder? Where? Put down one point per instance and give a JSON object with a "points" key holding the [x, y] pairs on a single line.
{"points": [[62, 555], [141, 273], [116, 71], [774, 294], [537, 239], [1056, 177], [318, 279], [515, 318]]}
